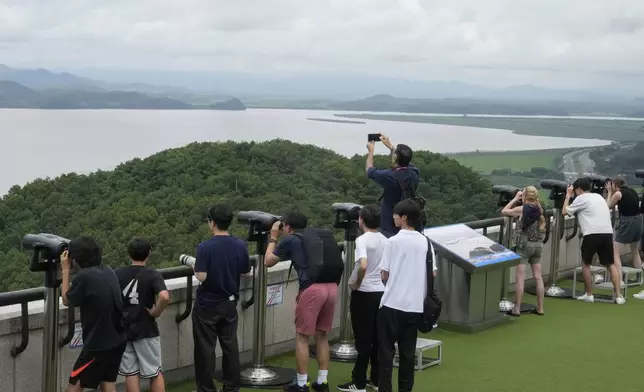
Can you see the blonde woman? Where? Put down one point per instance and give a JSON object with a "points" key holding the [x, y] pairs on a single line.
{"points": [[528, 240]]}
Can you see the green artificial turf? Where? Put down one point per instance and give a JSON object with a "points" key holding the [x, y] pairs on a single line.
{"points": [[575, 347]]}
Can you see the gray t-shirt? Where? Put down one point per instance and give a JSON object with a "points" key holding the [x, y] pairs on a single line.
{"points": [[593, 214]]}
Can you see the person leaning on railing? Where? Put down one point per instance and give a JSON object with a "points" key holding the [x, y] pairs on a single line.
{"points": [[528, 238]]}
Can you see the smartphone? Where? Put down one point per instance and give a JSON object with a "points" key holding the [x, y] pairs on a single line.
{"points": [[373, 137]]}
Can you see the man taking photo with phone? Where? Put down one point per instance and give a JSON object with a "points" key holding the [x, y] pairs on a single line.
{"points": [[397, 183]]}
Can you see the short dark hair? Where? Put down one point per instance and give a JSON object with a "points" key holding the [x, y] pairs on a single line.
{"points": [[85, 251], [139, 249], [403, 154], [370, 215], [410, 209], [582, 183], [295, 219], [619, 181], [221, 215]]}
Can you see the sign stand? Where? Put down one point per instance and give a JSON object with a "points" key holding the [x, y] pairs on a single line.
{"points": [[471, 277]]}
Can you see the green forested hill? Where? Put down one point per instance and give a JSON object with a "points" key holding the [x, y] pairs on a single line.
{"points": [[166, 197]]}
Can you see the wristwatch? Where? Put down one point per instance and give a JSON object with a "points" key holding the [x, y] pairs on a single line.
{"points": [[272, 241]]}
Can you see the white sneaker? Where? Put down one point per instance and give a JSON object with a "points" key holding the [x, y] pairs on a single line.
{"points": [[620, 300], [639, 295], [587, 298]]}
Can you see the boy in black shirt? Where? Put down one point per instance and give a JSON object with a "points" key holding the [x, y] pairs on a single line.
{"points": [[145, 296], [95, 289], [221, 261]]}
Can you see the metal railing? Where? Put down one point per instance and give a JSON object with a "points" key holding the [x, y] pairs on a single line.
{"points": [[23, 297]]}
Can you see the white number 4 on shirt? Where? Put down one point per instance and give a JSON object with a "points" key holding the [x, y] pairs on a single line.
{"points": [[131, 288]]}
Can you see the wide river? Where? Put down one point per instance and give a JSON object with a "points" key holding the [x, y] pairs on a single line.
{"points": [[47, 143]]}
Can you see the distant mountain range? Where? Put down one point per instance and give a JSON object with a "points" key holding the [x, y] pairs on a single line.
{"points": [[41, 88], [15, 95]]}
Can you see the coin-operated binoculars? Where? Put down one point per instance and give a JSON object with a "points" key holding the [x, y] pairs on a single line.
{"points": [[557, 195], [506, 194], [597, 183], [47, 249], [639, 173], [346, 218], [258, 374]]}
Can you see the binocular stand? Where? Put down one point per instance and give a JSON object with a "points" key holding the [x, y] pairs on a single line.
{"points": [[259, 375]]}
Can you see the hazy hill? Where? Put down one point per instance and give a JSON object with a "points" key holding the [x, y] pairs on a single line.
{"points": [[166, 197], [15, 95], [42, 79]]}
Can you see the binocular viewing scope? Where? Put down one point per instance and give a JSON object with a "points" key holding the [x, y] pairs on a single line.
{"points": [[46, 247], [345, 214], [639, 174], [506, 193], [259, 223]]}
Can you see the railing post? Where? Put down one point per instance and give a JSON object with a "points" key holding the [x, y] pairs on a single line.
{"points": [[506, 240], [50, 330]]}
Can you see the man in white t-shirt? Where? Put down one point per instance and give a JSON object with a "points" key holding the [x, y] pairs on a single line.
{"points": [[594, 221], [367, 288], [404, 271]]}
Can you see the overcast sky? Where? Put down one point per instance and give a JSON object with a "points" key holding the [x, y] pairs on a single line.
{"points": [[546, 42]]}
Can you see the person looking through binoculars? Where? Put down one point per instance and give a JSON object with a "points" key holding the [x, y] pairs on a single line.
{"points": [[528, 237], [144, 296], [95, 289], [219, 264], [398, 183], [629, 228], [595, 224], [317, 259]]}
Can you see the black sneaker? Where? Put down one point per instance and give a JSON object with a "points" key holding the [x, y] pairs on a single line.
{"points": [[350, 387], [324, 387], [296, 388], [372, 385]]}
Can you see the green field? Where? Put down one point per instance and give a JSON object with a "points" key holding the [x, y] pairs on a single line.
{"points": [[574, 347], [615, 130], [485, 162]]}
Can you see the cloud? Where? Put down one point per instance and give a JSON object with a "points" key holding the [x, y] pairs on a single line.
{"points": [[496, 41]]}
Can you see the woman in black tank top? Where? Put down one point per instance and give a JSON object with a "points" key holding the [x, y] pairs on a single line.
{"points": [[629, 229]]}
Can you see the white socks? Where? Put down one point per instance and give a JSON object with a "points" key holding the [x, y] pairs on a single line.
{"points": [[301, 379], [322, 374]]}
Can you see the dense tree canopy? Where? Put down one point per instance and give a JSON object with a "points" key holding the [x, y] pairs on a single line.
{"points": [[166, 197]]}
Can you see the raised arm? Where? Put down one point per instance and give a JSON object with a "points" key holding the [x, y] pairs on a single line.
{"points": [[510, 209]]}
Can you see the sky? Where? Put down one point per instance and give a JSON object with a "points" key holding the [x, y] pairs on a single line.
{"points": [[569, 43]]}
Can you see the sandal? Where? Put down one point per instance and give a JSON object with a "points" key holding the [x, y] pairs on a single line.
{"points": [[511, 313], [535, 311]]}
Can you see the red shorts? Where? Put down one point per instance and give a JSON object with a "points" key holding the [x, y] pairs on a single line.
{"points": [[315, 308]]}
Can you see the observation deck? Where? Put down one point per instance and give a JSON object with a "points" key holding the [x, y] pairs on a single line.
{"points": [[556, 352]]}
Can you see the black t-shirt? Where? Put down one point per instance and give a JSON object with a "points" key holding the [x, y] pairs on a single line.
{"points": [[96, 291], [139, 287], [224, 258], [628, 205]]}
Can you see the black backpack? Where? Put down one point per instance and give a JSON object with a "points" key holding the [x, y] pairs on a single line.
{"points": [[432, 304], [409, 192], [323, 256]]}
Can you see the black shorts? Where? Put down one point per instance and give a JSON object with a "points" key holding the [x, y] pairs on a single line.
{"points": [[94, 367], [599, 244]]}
